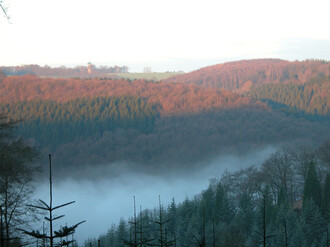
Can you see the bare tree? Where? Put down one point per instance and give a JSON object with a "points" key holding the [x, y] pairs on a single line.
{"points": [[278, 173], [16, 174], [4, 10]]}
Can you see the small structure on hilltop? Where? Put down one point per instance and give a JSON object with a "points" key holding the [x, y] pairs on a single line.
{"points": [[89, 68], [147, 70]]}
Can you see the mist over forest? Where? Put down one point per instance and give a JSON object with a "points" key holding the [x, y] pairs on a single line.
{"points": [[254, 129], [104, 194]]}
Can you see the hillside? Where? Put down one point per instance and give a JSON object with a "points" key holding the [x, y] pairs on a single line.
{"points": [[296, 86], [170, 98], [237, 207], [312, 97], [153, 124], [241, 74]]}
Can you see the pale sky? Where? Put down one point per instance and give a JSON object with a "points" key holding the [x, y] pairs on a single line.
{"points": [[164, 35]]}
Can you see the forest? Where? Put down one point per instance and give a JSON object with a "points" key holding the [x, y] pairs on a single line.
{"points": [[310, 98], [80, 118], [285, 202], [157, 124], [240, 75], [177, 125]]}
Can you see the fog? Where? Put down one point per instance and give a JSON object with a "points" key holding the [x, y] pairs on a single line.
{"points": [[101, 199]]}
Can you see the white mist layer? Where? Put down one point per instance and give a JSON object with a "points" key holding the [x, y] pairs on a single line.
{"points": [[102, 201]]}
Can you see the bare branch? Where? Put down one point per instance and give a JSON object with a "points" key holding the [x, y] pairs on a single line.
{"points": [[63, 205]]}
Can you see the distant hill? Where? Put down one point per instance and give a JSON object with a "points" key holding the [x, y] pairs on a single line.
{"points": [[241, 75], [88, 71], [295, 86]]}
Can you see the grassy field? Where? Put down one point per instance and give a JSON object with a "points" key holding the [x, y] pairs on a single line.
{"points": [[148, 76]]}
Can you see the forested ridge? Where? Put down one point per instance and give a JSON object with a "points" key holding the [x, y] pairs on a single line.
{"points": [[240, 74], [285, 202], [300, 86], [154, 123]]}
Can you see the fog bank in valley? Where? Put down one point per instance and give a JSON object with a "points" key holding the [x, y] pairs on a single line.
{"points": [[103, 196]]}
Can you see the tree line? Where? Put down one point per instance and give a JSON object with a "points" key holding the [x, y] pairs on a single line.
{"points": [[65, 72], [284, 202]]}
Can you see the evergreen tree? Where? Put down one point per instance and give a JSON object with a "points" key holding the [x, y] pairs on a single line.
{"points": [[111, 236], [299, 238], [245, 215], [172, 217], [122, 233], [326, 199], [312, 188], [207, 204], [314, 223], [283, 227]]}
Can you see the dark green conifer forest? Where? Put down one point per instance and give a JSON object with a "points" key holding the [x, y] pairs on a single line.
{"points": [[274, 205]]}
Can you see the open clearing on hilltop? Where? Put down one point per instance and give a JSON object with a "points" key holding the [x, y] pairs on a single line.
{"points": [[157, 76]]}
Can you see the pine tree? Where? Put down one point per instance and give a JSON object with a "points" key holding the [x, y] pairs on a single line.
{"points": [[312, 188], [314, 223], [172, 216], [222, 212], [207, 204], [326, 199], [122, 232]]}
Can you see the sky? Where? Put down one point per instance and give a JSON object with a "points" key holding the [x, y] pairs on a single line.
{"points": [[166, 35]]}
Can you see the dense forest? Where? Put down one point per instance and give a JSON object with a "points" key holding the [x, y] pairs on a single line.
{"points": [[53, 123], [172, 98], [93, 121], [241, 74], [181, 124], [312, 97], [285, 202]]}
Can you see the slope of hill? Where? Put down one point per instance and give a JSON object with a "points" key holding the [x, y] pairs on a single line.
{"points": [[296, 86], [241, 75], [170, 98], [180, 125], [312, 98]]}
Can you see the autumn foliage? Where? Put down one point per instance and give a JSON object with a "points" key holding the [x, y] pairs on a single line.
{"points": [[170, 97], [241, 75], [181, 121]]}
